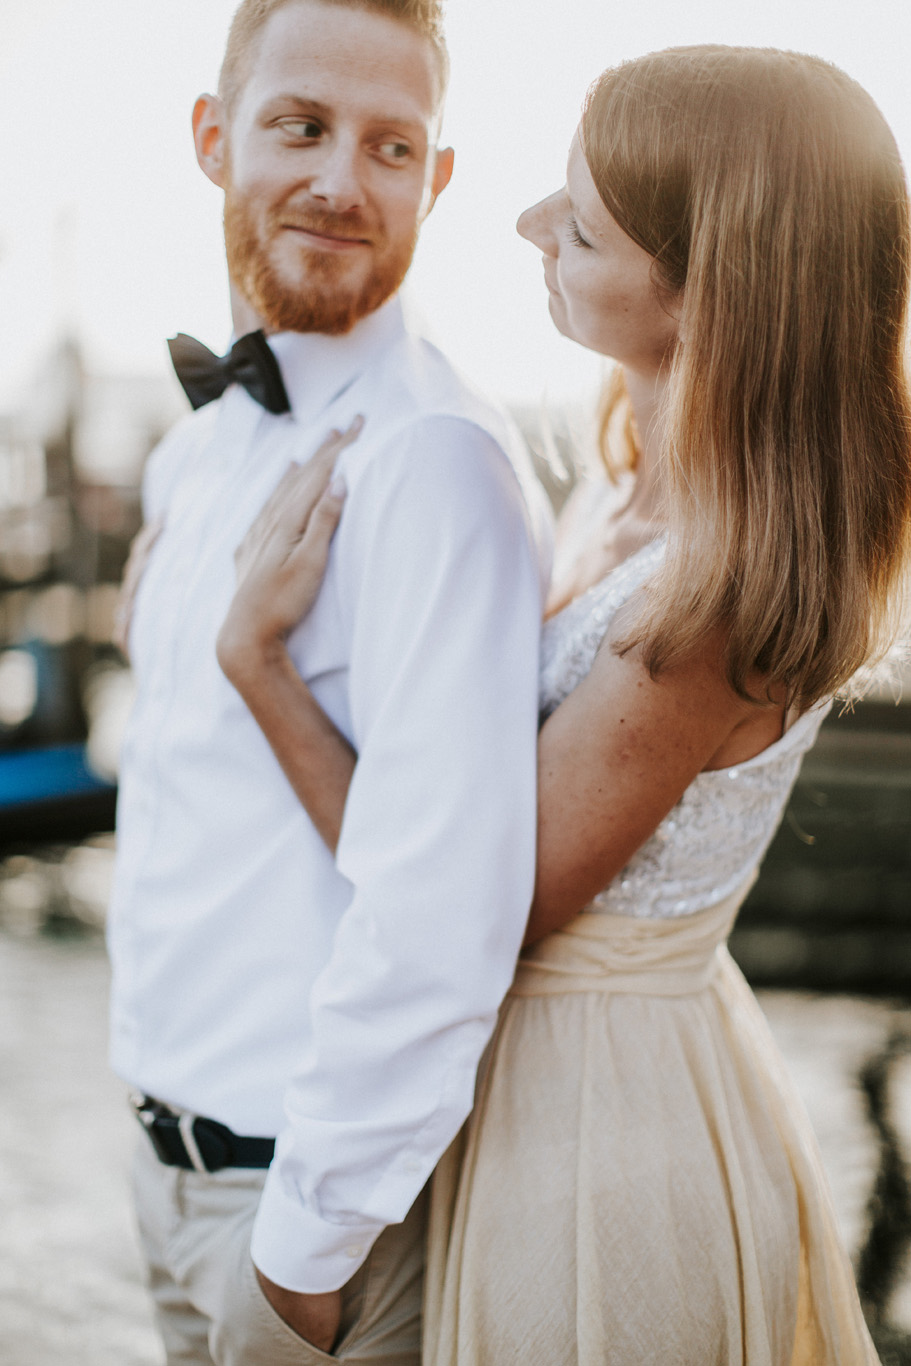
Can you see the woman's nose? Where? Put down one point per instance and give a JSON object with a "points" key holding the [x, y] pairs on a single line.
{"points": [[535, 226]]}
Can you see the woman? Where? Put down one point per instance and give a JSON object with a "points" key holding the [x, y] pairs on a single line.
{"points": [[638, 1182]]}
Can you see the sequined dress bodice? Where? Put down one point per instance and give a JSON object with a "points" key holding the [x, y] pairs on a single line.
{"points": [[712, 841]]}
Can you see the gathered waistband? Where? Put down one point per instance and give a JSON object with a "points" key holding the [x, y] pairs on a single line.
{"points": [[618, 953]]}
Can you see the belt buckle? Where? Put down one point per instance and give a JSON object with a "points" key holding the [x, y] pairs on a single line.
{"points": [[185, 1128], [151, 1114]]}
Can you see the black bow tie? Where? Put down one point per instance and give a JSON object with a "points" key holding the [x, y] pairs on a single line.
{"points": [[250, 362]]}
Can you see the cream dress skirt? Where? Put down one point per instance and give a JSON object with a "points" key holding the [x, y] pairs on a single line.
{"points": [[639, 1184]]}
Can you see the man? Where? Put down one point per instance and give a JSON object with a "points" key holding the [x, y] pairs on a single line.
{"points": [[262, 990]]}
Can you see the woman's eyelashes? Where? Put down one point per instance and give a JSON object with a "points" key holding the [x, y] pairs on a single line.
{"points": [[574, 233]]}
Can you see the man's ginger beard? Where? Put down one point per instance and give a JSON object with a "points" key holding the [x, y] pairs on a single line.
{"points": [[320, 300]]}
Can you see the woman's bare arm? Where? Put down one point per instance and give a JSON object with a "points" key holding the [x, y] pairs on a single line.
{"points": [[316, 758], [613, 760], [280, 567]]}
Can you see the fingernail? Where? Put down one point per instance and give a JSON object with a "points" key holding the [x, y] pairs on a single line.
{"points": [[357, 424], [338, 487]]}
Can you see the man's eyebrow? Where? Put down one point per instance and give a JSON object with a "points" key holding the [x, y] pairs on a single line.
{"points": [[303, 104], [298, 102]]}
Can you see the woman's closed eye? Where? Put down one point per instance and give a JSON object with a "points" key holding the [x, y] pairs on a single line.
{"points": [[574, 233]]}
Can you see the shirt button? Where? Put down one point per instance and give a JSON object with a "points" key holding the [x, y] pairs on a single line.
{"points": [[353, 1252]]}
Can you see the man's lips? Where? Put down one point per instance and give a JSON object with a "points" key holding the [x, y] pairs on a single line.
{"points": [[326, 241]]}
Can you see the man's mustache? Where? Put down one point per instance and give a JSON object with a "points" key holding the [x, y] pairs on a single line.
{"points": [[349, 226]]}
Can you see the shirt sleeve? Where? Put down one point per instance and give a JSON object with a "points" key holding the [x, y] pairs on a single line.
{"points": [[439, 574]]}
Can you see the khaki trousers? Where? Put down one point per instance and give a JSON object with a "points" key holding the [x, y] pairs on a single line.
{"points": [[195, 1231]]}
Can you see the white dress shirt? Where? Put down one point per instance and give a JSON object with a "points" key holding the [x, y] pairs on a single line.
{"points": [[341, 1005]]}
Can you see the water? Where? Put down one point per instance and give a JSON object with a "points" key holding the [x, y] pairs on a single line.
{"points": [[70, 1288]]}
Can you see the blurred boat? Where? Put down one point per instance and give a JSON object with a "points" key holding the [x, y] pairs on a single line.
{"points": [[51, 795], [71, 456]]}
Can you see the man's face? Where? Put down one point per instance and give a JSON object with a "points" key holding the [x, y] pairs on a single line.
{"points": [[328, 165]]}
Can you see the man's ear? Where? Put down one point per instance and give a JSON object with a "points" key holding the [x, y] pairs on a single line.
{"points": [[442, 174], [210, 137]]}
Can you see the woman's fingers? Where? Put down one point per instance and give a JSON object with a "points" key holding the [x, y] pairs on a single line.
{"points": [[278, 497], [336, 441], [285, 517], [306, 565], [314, 477], [282, 518], [315, 473], [303, 485], [314, 544], [279, 591]]}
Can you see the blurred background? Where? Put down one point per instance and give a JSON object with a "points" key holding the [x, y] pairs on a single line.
{"points": [[110, 241]]}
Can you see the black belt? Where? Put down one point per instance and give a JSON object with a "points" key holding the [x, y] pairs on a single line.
{"points": [[198, 1144]]}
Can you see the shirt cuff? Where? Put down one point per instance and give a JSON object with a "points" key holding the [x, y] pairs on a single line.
{"points": [[298, 1250]]}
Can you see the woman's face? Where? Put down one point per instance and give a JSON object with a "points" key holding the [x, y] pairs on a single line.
{"points": [[600, 280]]}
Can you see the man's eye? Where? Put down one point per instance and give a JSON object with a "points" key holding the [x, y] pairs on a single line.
{"points": [[301, 128], [396, 151]]}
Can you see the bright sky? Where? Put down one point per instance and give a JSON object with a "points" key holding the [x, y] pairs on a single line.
{"points": [[106, 220]]}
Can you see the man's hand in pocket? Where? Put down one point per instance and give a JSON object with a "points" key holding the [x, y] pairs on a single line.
{"points": [[315, 1318]]}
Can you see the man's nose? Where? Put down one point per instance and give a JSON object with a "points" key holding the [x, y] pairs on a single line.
{"points": [[337, 181]]}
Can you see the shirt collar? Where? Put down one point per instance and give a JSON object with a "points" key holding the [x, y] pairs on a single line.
{"points": [[318, 368]]}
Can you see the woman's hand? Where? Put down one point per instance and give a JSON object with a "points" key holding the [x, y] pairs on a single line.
{"points": [[282, 559]]}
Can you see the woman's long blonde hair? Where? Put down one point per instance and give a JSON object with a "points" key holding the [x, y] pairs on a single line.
{"points": [[769, 191]]}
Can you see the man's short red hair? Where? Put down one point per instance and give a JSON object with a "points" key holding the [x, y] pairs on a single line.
{"points": [[424, 16]]}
